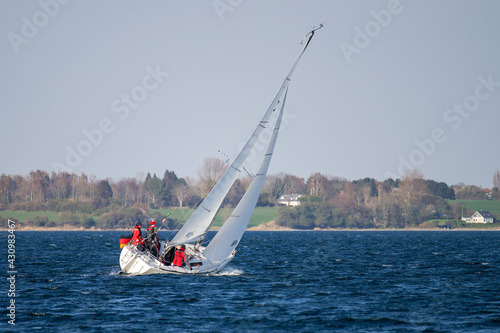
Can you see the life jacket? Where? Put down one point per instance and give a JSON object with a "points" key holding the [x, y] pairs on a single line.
{"points": [[152, 234], [151, 225], [179, 258], [136, 235]]}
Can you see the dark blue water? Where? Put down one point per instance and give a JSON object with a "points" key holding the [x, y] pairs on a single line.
{"points": [[279, 281]]}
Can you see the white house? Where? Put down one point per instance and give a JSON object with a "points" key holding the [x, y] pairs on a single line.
{"points": [[289, 200], [480, 216]]}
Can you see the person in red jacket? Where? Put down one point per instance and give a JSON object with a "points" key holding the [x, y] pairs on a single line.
{"points": [[180, 258], [137, 234]]}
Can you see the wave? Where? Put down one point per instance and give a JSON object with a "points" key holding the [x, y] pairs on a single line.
{"points": [[229, 271]]}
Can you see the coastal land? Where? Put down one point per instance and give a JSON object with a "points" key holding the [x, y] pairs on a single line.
{"points": [[263, 219]]}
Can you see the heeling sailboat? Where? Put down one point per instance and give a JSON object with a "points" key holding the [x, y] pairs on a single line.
{"points": [[221, 249]]}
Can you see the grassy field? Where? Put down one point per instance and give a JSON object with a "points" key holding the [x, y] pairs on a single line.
{"points": [[267, 214], [462, 225], [492, 206], [259, 216], [23, 216]]}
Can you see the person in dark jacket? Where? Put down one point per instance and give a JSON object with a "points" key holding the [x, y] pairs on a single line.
{"points": [[152, 238]]}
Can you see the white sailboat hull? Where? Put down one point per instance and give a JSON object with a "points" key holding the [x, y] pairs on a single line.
{"points": [[136, 262]]}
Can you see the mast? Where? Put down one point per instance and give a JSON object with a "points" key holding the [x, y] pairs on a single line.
{"points": [[197, 225]]}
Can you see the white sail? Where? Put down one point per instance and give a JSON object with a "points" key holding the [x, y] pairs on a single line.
{"points": [[195, 228], [228, 237], [197, 225]]}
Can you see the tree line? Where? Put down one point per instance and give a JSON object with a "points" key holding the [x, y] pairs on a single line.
{"points": [[327, 201], [367, 203]]}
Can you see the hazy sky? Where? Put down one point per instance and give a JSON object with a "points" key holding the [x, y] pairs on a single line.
{"points": [[113, 88]]}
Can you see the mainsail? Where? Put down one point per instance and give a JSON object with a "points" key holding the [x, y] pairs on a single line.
{"points": [[228, 237], [197, 225], [195, 228]]}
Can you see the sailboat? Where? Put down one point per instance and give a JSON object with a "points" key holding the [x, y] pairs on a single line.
{"points": [[221, 250]]}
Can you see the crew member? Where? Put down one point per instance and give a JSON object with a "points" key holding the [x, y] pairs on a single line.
{"points": [[152, 238], [137, 234], [169, 254], [180, 258]]}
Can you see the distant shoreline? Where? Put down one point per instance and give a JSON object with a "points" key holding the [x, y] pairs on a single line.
{"points": [[265, 229], [269, 226]]}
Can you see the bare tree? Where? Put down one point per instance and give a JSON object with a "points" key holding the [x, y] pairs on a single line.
{"points": [[496, 179], [317, 185], [39, 183], [7, 187], [412, 186], [126, 190], [210, 172], [181, 192], [60, 186]]}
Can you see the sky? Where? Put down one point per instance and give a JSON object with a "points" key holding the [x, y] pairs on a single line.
{"points": [[117, 89]]}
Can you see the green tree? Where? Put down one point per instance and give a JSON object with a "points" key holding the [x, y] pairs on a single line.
{"points": [[154, 188], [287, 217], [440, 189], [495, 193], [103, 190]]}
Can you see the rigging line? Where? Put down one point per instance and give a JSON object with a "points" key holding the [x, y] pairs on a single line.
{"points": [[197, 204], [163, 222], [223, 154], [177, 221], [214, 181], [248, 173]]}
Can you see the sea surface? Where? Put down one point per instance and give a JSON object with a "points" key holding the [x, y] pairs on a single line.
{"points": [[353, 281]]}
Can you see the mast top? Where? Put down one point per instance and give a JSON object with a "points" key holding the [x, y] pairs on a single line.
{"points": [[311, 33]]}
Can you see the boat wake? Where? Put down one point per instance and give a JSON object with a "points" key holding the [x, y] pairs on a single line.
{"points": [[229, 271]]}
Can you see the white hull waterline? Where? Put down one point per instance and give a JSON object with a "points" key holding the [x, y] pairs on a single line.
{"points": [[222, 248], [136, 262]]}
